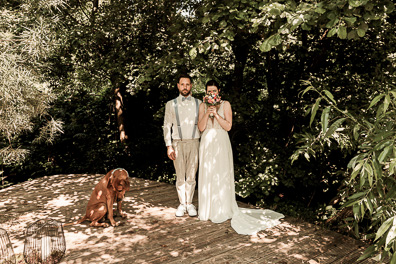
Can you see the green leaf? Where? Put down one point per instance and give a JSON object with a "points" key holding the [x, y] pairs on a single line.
{"points": [[266, 46], [349, 203], [370, 173], [377, 168], [306, 155], [305, 26], [356, 211], [275, 40], [356, 3], [320, 10], [361, 32], [325, 119], [334, 127], [275, 12], [369, 205], [356, 170], [384, 154], [393, 260], [386, 102], [350, 20], [352, 34], [363, 26], [362, 178], [342, 32], [217, 16], [392, 167], [362, 210], [369, 6], [384, 227], [392, 233], [223, 23], [193, 53], [332, 15], [356, 229], [329, 95], [393, 92], [369, 252], [384, 135], [380, 110], [309, 88], [206, 19], [314, 109], [375, 100], [332, 23], [356, 131], [390, 7], [332, 32], [356, 195]]}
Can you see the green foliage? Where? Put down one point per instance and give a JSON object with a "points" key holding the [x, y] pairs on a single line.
{"points": [[371, 188], [26, 40]]}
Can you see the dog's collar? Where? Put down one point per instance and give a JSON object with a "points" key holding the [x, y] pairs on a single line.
{"points": [[120, 169]]}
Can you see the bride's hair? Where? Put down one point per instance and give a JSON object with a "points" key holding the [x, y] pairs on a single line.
{"points": [[212, 83]]}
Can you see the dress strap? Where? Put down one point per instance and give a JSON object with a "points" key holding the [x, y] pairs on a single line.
{"points": [[196, 117]]}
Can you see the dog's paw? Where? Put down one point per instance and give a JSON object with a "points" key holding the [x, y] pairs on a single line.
{"points": [[115, 224], [123, 215]]}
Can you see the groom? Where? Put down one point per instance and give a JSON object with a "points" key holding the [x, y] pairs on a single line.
{"points": [[181, 136]]}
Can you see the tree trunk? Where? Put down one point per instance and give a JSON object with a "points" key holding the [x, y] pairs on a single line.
{"points": [[119, 110], [273, 79], [240, 47]]}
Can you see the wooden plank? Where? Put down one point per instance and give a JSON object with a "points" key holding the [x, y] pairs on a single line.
{"points": [[168, 243], [195, 241], [273, 245], [219, 245]]}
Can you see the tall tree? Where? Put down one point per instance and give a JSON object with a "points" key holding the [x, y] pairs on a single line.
{"points": [[26, 40]]}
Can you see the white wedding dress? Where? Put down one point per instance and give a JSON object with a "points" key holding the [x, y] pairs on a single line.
{"points": [[216, 186]]}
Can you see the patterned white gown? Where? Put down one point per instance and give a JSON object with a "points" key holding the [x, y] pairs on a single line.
{"points": [[216, 186]]}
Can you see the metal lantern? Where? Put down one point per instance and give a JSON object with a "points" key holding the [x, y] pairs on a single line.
{"points": [[6, 252], [44, 242]]}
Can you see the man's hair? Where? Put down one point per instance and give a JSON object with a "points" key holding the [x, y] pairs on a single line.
{"points": [[212, 83], [184, 75]]}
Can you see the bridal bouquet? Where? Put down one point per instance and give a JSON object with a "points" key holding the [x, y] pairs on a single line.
{"points": [[212, 99]]}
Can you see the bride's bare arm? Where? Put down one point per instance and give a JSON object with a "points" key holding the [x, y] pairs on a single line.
{"points": [[226, 122], [202, 117]]}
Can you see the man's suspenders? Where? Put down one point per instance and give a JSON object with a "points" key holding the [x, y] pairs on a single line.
{"points": [[178, 119]]}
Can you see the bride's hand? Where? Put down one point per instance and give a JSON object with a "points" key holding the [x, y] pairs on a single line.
{"points": [[212, 110]]}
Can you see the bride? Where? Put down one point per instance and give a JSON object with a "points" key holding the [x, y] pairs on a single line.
{"points": [[216, 189]]}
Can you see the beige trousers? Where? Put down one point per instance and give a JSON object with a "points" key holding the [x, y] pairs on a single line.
{"points": [[186, 166]]}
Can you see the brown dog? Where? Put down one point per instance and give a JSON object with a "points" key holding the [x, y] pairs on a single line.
{"points": [[111, 188]]}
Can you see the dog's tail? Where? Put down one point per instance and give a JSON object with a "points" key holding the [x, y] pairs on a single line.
{"points": [[78, 222]]}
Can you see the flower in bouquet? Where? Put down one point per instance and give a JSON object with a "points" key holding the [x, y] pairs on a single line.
{"points": [[212, 99]]}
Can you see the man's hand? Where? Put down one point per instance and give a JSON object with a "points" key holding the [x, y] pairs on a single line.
{"points": [[171, 153]]}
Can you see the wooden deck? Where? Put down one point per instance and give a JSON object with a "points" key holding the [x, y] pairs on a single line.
{"points": [[152, 234]]}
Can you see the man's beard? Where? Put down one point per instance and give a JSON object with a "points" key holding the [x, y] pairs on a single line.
{"points": [[185, 92]]}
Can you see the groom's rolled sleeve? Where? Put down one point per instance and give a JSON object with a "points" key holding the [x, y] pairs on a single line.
{"points": [[168, 125]]}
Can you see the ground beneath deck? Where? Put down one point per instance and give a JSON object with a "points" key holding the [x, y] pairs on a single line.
{"points": [[152, 234]]}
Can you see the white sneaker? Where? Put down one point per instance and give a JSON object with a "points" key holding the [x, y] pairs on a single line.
{"points": [[180, 210], [191, 210]]}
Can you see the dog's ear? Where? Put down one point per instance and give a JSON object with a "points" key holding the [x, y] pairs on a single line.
{"points": [[109, 179], [127, 184]]}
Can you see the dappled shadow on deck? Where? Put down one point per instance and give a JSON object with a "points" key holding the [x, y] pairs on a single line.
{"points": [[152, 234]]}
